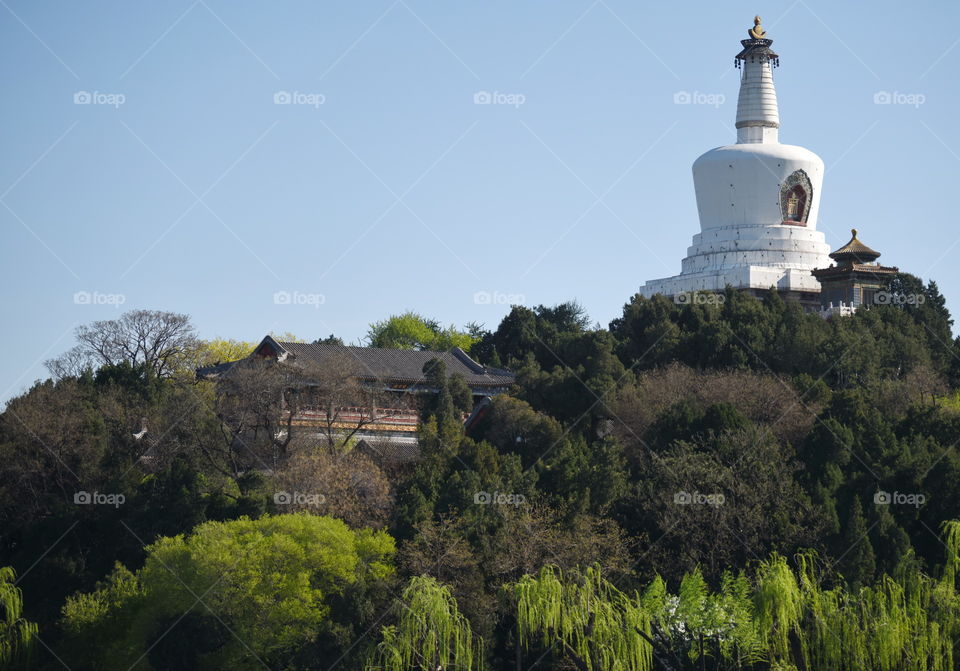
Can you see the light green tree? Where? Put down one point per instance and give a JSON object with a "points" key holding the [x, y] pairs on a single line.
{"points": [[593, 622], [219, 350], [264, 588], [413, 331], [778, 618], [431, 633], [17, 635]]}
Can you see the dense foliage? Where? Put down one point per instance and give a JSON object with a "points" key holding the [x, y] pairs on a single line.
{"points": [[252, 592], [776, 617], [759, 476]]}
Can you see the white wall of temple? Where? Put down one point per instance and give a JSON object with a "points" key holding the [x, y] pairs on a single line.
{"points": [[741, 277], [783, 246], [740, 184]]}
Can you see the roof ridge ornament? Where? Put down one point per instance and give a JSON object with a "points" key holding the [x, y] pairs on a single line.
{"points": [[757, 32], [757, 47]]}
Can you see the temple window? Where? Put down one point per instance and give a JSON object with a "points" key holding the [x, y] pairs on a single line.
{"points": [[796, 200], [795, 195]]}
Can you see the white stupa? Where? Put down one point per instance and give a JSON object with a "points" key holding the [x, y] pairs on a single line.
{"points": [[758, 200]]}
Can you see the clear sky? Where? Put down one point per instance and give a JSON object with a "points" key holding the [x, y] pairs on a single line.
{"points": [[145, 158]]}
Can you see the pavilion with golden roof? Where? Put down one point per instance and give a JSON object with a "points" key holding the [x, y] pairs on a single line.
{"points": [[854, 280]]}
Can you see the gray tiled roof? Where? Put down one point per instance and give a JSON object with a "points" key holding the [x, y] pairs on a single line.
{"points": [[400, 364], [213, 371]]}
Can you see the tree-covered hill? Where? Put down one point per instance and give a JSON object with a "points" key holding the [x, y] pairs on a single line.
{"points": [[729, 477]]}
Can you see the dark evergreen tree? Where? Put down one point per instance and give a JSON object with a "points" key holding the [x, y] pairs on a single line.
{"points": [[857, 558]]}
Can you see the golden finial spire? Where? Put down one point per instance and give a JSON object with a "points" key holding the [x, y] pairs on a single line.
{"points": [[757, 32]]}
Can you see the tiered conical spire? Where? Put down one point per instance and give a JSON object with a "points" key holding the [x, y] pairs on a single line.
{"points": [[758, 119]]}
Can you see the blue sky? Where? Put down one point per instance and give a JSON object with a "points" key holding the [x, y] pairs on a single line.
{"points": [[383, 186]]}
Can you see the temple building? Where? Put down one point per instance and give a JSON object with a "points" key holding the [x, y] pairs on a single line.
{"points": [[854, 281], [758, 200], [368, 396]]}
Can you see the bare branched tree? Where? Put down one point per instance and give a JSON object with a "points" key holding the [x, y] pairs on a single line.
{"points": [[71, 363], [255, 418], [762, 398], [138, 337], [349, 486], [535, 535]]}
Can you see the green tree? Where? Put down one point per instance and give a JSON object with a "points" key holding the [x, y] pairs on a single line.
{"points": [[413, 331], [431, 633], [537, 332], [218, 350], [274, 582], [585, 618], [329, 340], [441, 405], [717, 501], [17, 635], [858, 562]]}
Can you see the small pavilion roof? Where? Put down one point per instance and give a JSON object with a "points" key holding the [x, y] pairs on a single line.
{"points": [[855, 251]]}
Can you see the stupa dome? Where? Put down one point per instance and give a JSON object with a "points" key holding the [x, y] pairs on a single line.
{"points": [[758, 200]]}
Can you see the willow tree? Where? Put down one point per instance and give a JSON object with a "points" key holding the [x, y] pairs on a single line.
{"points": [[779, 605], [17, 635], [888, 626], [595, 624], [705, 624], [951, 540], [431, 633], [777, 618]]}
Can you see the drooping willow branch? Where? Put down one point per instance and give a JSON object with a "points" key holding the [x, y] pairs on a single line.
{"points": [[598, 625], [431, 633], [778, 618], [17, 635]]}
